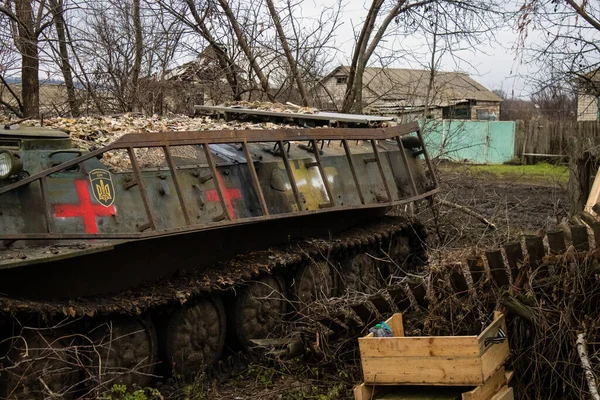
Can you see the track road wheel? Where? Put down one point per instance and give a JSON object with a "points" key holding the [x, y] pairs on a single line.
{"points": [[312, 282], [258, 310], [125, 352], [195, 337], [39, 367], [364, 274]]}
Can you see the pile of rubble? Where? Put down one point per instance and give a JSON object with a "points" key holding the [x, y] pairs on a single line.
{"points": [[90, 133]]}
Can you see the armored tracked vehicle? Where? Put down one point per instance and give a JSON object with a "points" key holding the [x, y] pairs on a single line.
{"points": [[147, 257]]}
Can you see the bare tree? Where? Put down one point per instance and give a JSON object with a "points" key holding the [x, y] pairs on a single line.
{"points": [[9, 67], [561, 37], [555, 102], [139, 49], [458, 18], [243, 43], [29, 20], [200, 24], [513, 108], [120, 45], [288, 52], [57, 9]]}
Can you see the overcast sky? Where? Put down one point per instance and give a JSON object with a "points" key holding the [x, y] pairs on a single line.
{"points": [[495, 65]]}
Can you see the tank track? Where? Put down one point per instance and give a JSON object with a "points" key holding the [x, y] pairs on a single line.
{"points": [[164, 305], [223, 276]]}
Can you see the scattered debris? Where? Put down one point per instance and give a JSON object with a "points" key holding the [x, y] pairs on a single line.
{"points": [[90, 133], [275, 107]]}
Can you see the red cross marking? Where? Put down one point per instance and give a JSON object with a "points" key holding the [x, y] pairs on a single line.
{"points": [[230, 194], [85, 210]]}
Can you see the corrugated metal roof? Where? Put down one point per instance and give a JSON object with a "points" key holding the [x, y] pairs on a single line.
{"points": [[410, 85]]}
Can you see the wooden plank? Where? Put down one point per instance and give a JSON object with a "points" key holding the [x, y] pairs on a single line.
{"points": [[464, 371], [509, 376], [594, 196], [403, 348], [494, 358], [363, 392], [397, 325], [489, 388], [491, 331], [506, 393]]}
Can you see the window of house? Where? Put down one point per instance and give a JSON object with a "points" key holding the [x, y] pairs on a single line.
{"points": [[458, 111], [341, 80], [483, 114]]}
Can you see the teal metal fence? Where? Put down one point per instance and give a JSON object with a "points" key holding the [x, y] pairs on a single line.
{"points": [[480, 142]]}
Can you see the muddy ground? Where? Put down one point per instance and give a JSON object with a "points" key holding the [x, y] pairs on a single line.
{"points": [[515, 206]]}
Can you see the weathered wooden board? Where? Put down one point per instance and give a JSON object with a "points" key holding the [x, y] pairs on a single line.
{"points": [[506, 393], [368, 392], [489, 388]]}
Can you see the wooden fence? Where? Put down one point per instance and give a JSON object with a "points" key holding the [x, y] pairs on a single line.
{"points": [[555, 138]]}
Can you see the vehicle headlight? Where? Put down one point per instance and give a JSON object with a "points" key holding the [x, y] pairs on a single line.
{"points": [[10, 164]]}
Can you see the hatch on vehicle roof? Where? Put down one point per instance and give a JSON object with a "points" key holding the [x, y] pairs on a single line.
{"points": [[33, 132]]}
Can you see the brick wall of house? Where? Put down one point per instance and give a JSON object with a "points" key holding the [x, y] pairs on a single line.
{"points": [[335, 90], [587, 108]]}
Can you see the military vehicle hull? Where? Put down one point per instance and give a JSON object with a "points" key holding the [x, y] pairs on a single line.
{"points": [[141, 235], [109, 267]]}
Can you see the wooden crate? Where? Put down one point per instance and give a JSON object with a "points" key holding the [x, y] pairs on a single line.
{"points": [[494, 388], [435, 360]]}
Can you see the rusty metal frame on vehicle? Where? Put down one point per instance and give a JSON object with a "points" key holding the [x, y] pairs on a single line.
{"points": [[165, 140]]}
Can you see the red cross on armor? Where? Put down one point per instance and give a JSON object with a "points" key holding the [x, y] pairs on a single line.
{"points": [[86, 210], [229, 194]]}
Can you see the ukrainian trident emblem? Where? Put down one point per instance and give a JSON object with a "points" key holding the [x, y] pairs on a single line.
{"points": [[102, 186]]}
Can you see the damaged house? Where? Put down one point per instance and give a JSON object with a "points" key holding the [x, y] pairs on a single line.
{"points": [[201, 81], [403, 93]]}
